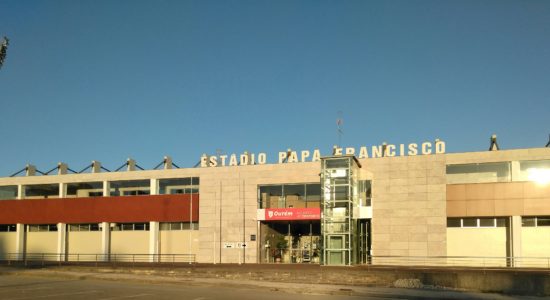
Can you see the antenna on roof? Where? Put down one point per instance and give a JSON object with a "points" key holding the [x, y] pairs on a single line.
{"points": [[339, 130], [494, 145]]}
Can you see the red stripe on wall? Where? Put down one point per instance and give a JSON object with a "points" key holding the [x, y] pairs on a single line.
{"points": [[159, 208]]}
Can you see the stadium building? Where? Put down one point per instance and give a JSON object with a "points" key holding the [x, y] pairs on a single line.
{"points": [[371, 204]]}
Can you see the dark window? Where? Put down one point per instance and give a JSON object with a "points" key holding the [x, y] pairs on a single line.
{"points": [[453, 222], [528, 221], [501, 222], [469, 222], [486, 222], [8, 192], [8, 228], [543, 221]]}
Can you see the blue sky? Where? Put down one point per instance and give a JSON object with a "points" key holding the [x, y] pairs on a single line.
{"points": [[108, 80]]}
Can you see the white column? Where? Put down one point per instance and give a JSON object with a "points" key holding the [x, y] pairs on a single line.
{"points": [[62, 190], [61, 241], [516, 238], [20, 241], [20, 192], [106, 188], [105, 240], [21, 235], [154, 186], [154, 241]]}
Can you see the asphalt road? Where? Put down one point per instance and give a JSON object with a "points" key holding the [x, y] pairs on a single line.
{"points": [[22, 287]]}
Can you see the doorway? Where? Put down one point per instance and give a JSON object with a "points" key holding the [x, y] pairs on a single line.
{"points": [[364, 241], [292, 242]]}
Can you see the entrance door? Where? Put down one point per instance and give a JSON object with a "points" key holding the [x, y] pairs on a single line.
{"points": [[290, 242], [364, 240]]}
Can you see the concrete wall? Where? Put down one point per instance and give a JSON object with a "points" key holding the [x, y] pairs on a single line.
{"points": [[177, 241], [7, 242], [84, 242], [535, 242], [478, 242], [130, 242], [42, 242]]}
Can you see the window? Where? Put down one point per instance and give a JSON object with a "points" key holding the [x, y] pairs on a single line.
{"points": [[543, 221], [539, 221], [476, 222], [294, 194], [8, 228], [42, 227], [131, 227], [454, 222], [486, 222], [469, 222], [289, 196], [179, 226], [534, 170], [40, 191], [84, 189], [130, 187], [188, 185], [84, 227], [478, 173], [8, 192], [528, 221]]}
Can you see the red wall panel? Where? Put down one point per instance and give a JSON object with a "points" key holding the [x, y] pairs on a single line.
{"points": [[160, 208]]}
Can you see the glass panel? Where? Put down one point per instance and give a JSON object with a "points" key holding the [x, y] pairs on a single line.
{"points": [[534, 170], [453, 222], [8, 228], [164, 226], [271, 196], [476, 173], [139, 226], [528, 221], [341, 192], [179, 186], [130, 187], [342, 163], [469, 222], [337, 227], [543, 221], [41, 191], [501, 222], [486, 222], [336, 258], [313, 195], [294, 195], [8, 192], [84, 189]]}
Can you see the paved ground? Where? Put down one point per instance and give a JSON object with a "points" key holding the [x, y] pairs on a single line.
{"points": [[61, 284]]}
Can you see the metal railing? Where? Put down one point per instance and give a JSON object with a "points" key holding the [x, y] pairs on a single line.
{"points": [[463, 261], [93, 259]]}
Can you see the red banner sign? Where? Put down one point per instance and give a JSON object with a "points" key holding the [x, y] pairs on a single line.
{"points": [[275, 214]]}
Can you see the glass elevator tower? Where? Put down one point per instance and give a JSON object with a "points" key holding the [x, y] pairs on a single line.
{"points": [[339, 194]]}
